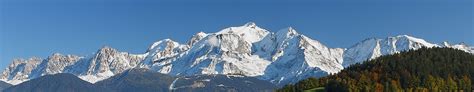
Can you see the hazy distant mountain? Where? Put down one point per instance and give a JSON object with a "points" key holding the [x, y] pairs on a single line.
{"points": [[280, 57], [61, 82], [144, 80], [221, 83], [138, 80]]}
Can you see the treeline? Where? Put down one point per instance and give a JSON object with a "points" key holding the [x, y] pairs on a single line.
{"points": [[422, 70]]}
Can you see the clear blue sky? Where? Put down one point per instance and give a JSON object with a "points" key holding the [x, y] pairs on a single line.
{"points": [[41, 27]]}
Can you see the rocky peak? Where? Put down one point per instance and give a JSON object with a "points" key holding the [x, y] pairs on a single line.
{"points": [[57, 57], [19, 70], [106, 50], [286, 33], [196, 38]]}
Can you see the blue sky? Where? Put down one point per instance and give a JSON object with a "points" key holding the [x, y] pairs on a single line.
{"points": [[41, 27]]}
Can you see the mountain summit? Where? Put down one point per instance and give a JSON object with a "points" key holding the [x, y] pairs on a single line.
{"points": [[248, 50]]}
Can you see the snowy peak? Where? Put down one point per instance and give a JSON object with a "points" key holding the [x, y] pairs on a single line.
{"points": [[164, 49], [330, 58], [233, 43], [57, 57], [413, 42], [399, 43], [364, 50], [197, 37], [107, 62], [106, 50], [271, 46], [166, 44], [22, 70], [461, 46], [57, 63], [373, 48], [445, 44], [250, 32], [19, 70], [250, 24], [287, 33], [224, 53], [160, 44], [230, 52], [295, 57]]}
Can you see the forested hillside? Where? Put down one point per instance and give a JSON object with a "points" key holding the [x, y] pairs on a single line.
{"points": [[425, 69]]}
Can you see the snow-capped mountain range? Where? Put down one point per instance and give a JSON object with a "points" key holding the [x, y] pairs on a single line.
{"points": [[281, 58]]}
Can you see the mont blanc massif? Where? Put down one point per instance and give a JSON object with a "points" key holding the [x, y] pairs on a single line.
{"points": [[235, 58]]}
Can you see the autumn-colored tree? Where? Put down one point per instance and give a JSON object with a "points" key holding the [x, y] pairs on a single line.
{"points": [[422, 70]]}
